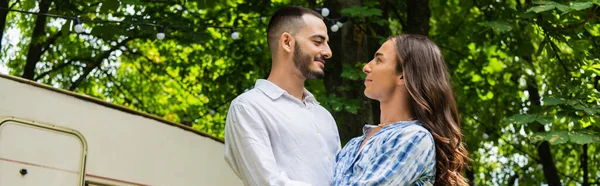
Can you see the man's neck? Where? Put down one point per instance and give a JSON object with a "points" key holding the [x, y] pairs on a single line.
{"points": [[292, 83]]}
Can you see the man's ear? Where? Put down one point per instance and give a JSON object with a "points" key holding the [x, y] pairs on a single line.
{"points": [[286, 41]]}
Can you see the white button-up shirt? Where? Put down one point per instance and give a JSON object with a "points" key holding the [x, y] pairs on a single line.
{"points": [[272, 138]]}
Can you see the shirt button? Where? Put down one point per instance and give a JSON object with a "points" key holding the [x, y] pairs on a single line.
{"points": [[319, 132], [329, 158]]}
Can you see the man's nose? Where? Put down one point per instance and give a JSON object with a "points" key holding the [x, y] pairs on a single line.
{"points": [[327, 52]]}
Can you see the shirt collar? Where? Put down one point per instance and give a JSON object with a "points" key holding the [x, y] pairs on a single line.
{"points": [[369, 127], [274, 91]]}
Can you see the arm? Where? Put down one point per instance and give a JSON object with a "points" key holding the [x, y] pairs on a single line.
{"points": [[405, 159], [248, 149]]}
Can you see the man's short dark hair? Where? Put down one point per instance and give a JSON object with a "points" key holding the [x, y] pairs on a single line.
{"points": [[287, 19]]}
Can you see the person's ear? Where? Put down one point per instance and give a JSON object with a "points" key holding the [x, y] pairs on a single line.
{"points": [[400, 80], [287, 42]]}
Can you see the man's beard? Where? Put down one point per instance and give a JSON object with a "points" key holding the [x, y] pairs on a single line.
{"points": [[303, 62]]}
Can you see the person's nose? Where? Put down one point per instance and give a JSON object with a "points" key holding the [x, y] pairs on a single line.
{"points": [[367, 68], [326, 53]]}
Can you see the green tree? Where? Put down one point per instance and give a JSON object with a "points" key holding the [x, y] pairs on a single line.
{"points": [[511, 61], [525, 73]]}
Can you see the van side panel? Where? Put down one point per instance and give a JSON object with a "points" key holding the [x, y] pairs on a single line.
{"points": [[123, 146]]}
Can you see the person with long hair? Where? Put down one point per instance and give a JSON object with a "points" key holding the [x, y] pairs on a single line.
{"points": [[419, 141]]}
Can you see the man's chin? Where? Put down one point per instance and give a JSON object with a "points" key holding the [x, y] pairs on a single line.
{"points": [[316, 75]]}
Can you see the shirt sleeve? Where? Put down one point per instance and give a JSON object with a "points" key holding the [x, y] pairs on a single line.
{"points": [[404, 159], [337, 136], [248, 150]]}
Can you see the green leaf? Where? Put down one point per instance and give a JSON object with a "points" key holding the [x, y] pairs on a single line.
{"points": [[554, 101], [521, 119], [543, 2], [587, 110], [544, 120], [110, 6], [373, 12], [499, 25], [349, 72], [583, 138], [581, 5], [563, 8], [28, 4], [361, 11], [525, 118], [582, 45], [107, 32], [554, 137], [527, 15], [354, 11], [204, 4], [66, 27], [381, 22], [130, 2], [541, 8]]}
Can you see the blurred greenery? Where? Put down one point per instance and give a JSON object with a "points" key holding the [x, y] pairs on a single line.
{"points": [[525, 73]]}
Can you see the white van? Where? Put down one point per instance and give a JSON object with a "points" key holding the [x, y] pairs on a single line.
{"points": [[53, 137]]}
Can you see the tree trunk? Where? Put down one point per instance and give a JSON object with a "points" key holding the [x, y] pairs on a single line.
{"points": [[470, 174], [350, 46], [36, 46], [418, 14], [584, 165], [543, 149], [3, 15]]}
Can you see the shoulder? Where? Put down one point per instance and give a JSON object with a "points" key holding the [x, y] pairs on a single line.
{"points": [[411, 133], [322, 110], [247, 104], [250, 97]]}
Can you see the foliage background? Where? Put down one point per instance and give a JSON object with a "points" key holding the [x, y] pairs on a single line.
{"points": [[525, 73]]}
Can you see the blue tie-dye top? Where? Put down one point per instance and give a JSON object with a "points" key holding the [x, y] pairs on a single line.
{"points": [[402, 153]]}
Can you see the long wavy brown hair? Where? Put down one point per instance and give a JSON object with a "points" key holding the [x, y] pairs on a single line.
{"points": [[433, 103]]}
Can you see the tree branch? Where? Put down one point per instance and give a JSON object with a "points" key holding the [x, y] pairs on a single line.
{"points": [[462, 21], [584, 165], [556, 50], [417, 17], [544, 153], [34, 52], [519, 149], [173, 78], [16, 2], [61, 66], [589, 17], [50, 41], [461, 54], [3, 15], [597, 83], [513, 178], [397, 13], [97, 63], [312, 4], [120, 89]]}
